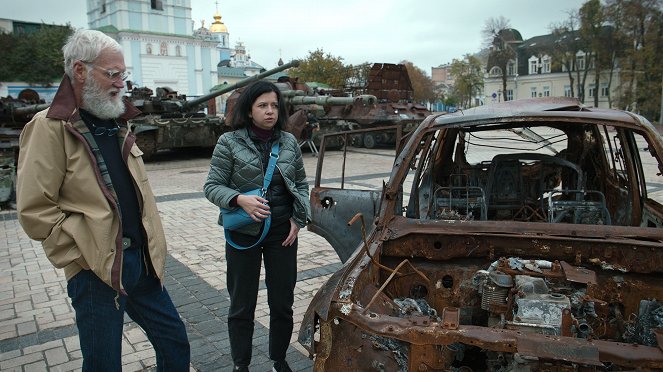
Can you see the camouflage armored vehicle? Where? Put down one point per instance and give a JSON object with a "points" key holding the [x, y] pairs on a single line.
{"points": [[306, 108], [14, 114], [382, 99], [391, 84], [170, 121]]}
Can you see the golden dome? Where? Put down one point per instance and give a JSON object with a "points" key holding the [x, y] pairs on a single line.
{"points": [[217, 25]]}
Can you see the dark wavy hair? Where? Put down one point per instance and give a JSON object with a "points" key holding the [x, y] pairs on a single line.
{"points": [[240, 115]]}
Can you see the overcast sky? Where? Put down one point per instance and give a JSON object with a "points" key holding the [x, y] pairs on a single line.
{"points": [[426, 32]]}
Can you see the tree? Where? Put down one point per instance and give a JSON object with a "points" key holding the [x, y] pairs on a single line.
{"points": [[356, 79], [7, 44], [591, 22], [321, 68], [565, 50], [498, 34], [424, 90], [36, 57], [468, 79], [639, 23]]}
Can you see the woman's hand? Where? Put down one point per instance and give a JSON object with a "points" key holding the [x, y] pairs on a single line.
{"points": [[294, 230], [255, 206]]}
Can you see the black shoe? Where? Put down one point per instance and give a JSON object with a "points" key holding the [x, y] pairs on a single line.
{"points": [[241, 369], [281, 366]]}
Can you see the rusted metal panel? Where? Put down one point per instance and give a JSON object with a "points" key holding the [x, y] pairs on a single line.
{"points": [[560, 269], [334, 210], [578, 274]]}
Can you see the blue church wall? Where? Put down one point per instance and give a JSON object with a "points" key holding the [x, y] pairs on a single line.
{"points": [[158, 23], [135, 21], [206, 59], [135, 7], [180, 21], [191, 64], [137, 73], [113, 19]]}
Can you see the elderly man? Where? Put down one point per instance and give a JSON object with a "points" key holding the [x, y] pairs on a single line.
{"points": [[83, 192]]}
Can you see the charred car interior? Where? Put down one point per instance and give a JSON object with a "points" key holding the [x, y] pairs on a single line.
{"points": [[520, 236]]}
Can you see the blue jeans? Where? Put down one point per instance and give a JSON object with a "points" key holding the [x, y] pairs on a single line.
{"points": [[100, 323]]}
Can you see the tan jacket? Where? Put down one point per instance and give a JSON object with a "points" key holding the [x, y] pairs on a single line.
{"points": [[63, 201]]}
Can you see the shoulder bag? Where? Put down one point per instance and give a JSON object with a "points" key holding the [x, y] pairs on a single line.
{"points": [[236, 218]]}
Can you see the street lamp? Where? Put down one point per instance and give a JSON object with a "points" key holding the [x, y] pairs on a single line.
{"points": [[515, 90]]}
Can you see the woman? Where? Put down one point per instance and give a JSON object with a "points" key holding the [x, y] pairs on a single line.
{"points": [[238, 165]]}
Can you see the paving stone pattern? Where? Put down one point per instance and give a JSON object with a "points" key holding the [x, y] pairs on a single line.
{"points": [[37, 327]]}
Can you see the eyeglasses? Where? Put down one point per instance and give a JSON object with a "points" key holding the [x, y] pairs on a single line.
{"points": [[114, 75], [100, 131]]}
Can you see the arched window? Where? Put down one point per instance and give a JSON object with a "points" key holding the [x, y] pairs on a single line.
{"points": [[495, 71], [178, 50], [164, 49]]}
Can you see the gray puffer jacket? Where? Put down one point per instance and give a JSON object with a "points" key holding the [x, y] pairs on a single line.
{"points": [[236, 167]]}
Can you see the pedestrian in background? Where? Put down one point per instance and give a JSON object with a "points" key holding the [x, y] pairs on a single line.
{"points": [[238, 165], [83, 192]]}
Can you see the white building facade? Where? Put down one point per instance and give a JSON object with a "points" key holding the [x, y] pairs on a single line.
{"points": [[160, 46], [534, 73]]}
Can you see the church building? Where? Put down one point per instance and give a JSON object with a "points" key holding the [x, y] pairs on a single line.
{"points": [[160, 46]]}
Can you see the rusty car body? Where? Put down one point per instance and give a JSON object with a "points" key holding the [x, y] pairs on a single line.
{"points": [[520, 236]]}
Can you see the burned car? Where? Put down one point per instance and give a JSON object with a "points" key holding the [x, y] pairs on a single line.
{"points": [[520, 236]]}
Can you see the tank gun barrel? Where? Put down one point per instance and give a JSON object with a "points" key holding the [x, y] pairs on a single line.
{"points": [[188, 105], [31, 109], [365, 99]]}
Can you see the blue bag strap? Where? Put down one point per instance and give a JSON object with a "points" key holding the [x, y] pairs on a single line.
{"points": [[265, 230], [273, 157]]}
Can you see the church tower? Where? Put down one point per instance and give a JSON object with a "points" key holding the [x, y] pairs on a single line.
{"points": [[160, 46], [219, 29]]}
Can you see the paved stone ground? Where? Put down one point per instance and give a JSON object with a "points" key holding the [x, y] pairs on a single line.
{"points": [[37, 328]]}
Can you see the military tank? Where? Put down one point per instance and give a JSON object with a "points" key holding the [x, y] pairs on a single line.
{"points": [[307, 110], [383, 98], [167, 121], [170, 121], [391, 84], [14, 114]]}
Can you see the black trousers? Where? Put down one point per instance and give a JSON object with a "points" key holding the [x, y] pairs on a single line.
{"points": [[243, 278]]}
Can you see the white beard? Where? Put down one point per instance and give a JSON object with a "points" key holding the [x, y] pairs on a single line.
{"points": [[101, 103]]}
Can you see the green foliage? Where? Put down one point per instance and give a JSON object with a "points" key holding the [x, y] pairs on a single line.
{"points": [[7, 43], [639, 27], [36, 57], [498, 34], [322, 68], [325, 68], [469, 79], [356, 79], [424, 90]]}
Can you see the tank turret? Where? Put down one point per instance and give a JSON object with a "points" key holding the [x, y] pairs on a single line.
{"points": [[171, 121], [168, 121], [383, 99], [14, 114]]}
